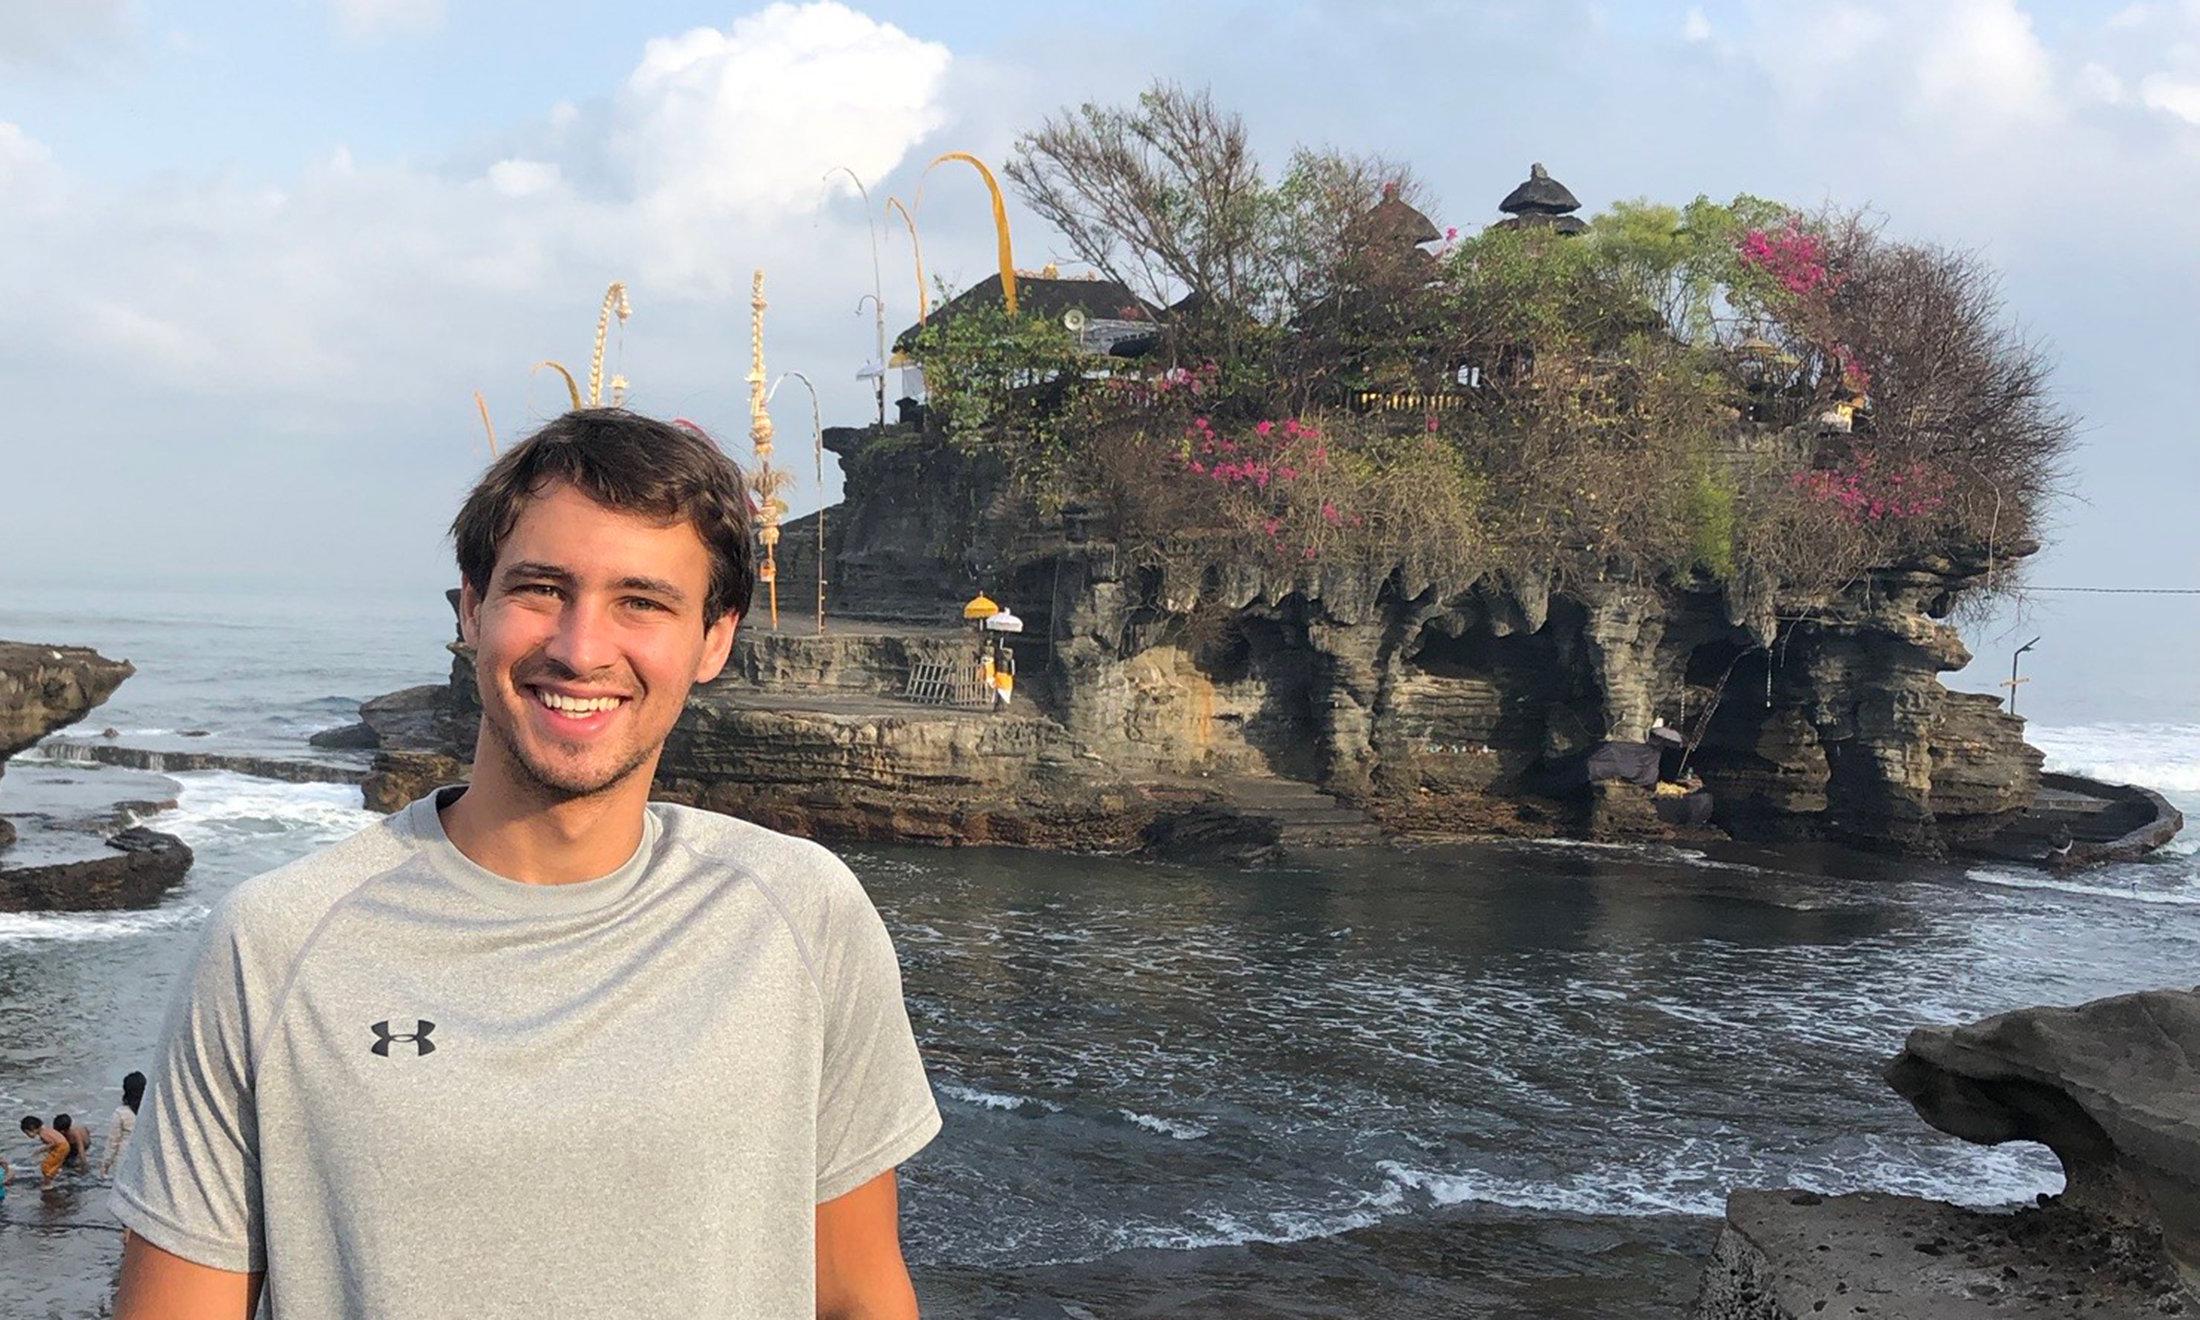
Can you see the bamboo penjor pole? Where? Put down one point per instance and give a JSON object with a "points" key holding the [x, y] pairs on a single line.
{"points": [[614, 304], [764, 480]]}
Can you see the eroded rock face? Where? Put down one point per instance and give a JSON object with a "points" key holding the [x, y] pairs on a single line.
{"points": [[2112, 1087], [1809, 718], [43, 688], [1423, 701]]}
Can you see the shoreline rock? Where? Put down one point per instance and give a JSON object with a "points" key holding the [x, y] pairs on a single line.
{"points": [[141, 865], [2111, 1087], [44, 688], [285, 769], [1790, 1255]]}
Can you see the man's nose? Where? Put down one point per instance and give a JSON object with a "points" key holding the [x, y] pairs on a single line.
{"points": [[583, 642]]}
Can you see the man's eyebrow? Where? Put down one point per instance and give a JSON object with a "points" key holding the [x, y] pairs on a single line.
{"points": [[529, 568], [655, 586]]}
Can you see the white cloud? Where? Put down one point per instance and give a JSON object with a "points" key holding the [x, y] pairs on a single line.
{"points": [[740, 126], [360, 301], [2131, 16], [48, 32], [523, 178], [1695, 26], [20, 152], [1983, 59], [28, 178], [2176, 97], [2097, 82], [388, 18]]}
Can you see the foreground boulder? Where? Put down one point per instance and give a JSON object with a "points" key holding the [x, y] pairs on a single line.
{"points": [[2110, 1086], [1798, 1256], [135, 868]]}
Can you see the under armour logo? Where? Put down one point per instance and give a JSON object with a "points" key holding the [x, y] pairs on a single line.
{"points": [[418, 1037]]}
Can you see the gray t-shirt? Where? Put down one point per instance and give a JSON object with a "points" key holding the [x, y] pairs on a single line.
{"points": [[407, 1087]]}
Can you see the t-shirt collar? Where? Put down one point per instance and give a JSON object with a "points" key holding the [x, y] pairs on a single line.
{"points": [[422, 824]]}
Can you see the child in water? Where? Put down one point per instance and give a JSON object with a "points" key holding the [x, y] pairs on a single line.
{"points": [[58, 1147]]}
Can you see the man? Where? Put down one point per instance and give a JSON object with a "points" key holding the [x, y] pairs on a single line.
{"points": [[535, 958], [56, 1148]]}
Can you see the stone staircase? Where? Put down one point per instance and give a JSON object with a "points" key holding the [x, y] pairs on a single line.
{"points": [[1305, 817]]}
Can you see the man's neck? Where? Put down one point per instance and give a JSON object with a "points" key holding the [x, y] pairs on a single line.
{"points": [[525, 836]]}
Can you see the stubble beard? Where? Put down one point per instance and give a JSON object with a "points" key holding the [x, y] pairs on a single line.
{"points": [[547, 783]]}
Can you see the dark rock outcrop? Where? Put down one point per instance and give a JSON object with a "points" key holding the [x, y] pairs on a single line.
{"points": [[43, 688], [2111, 1087], [1800, 1256], [354, 737], [137, 867], [287, 769]]}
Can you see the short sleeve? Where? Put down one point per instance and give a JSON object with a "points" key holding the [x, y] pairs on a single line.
{"points": [[875, 1106], [189, 1179]]}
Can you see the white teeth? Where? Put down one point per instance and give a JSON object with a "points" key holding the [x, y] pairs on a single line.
{"points": [[576, 705]]}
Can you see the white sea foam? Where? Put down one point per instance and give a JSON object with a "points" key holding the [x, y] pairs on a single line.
{"points": [[1177, 1128], [2163, 757], [19, 928], [971, 1095], [2184, 894], [1687, 1184], [214, 805]]}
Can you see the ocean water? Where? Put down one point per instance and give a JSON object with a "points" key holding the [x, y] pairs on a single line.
{"points": [[1511, 1079]]}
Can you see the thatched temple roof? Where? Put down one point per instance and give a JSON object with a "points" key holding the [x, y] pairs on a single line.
{"points": [[1042, 295], [1541, 202]]}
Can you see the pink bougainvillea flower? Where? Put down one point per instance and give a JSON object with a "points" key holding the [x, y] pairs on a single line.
{"points": [[1432, 423], [1262, 428], [1330, 514]]}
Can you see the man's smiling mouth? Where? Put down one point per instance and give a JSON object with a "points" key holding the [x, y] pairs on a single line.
{"points": [[569, 704]]}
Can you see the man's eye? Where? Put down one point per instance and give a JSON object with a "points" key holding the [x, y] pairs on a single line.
{"points": [[644, 603]]}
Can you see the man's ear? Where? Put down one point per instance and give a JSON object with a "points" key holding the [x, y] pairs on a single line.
{"points": [[469, 608], [717, 645]]}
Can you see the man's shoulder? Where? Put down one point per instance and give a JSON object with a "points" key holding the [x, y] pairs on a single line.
{"points": [[278, 908], [801, 874]]}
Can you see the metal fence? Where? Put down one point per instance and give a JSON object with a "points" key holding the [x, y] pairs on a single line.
{"points": [[948, 683]]}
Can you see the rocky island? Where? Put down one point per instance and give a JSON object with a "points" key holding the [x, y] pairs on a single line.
{"points": [[1399, 534]]}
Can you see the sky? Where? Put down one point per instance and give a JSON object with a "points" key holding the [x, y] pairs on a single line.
{"points": [[258, 257]]}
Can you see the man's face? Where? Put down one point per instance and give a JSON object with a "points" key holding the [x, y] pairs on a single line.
{"points": [[588, 639]]}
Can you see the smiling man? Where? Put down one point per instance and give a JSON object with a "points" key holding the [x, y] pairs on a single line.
{"points": [[536, 959]]}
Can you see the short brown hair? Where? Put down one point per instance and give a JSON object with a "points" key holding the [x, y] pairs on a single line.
{"points": [[629, 462]]}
